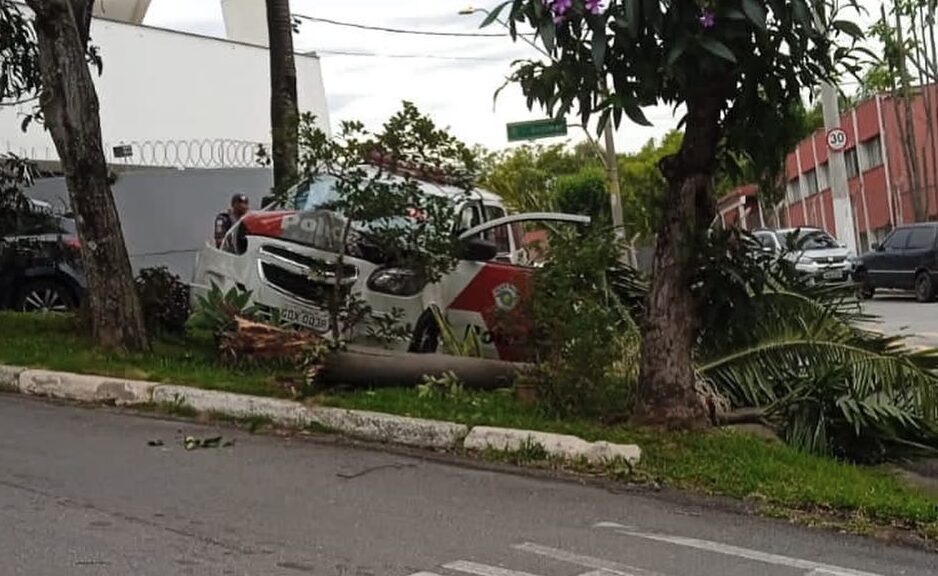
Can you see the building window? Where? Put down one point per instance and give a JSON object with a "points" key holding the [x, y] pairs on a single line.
{"points": [[823, 176], [872, 153], [853, 168], [811, 182], [794, 190]]}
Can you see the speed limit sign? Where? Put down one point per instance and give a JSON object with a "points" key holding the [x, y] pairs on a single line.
{"points": [[836, 139]]}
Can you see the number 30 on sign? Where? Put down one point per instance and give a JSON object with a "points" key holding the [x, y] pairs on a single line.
{"points": [[836, 139]]}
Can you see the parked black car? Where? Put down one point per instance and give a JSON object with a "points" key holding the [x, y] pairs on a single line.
{"points": [[40, 264], [906, 260]]}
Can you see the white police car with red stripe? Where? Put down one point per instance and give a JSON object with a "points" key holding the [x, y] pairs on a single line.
{"points": [[287, 260]]}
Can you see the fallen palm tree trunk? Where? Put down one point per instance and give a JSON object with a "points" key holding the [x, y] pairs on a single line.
{"points": [[364, 367], [358, 366]]}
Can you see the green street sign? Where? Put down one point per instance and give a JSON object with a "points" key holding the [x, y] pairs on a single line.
{"points": [[535, 129]]}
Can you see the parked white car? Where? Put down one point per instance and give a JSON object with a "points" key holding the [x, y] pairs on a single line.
{"points": [[287, 260], [814, 252]]}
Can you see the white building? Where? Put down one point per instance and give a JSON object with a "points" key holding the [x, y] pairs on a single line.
{"points": [[178, 99]]}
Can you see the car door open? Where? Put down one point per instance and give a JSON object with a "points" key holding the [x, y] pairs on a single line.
{"points": [[481, 290]]}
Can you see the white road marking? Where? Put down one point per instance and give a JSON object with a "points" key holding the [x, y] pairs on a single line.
{"points": [[483, 569], [606, 567], [424, 574], [776, 559]]}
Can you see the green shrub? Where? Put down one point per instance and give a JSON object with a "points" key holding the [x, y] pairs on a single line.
{"points": [[586, 344], [164, 299], [584, 193]]}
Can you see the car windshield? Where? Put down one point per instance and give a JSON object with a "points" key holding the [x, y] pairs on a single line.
{"points": [[810, 240], [315, 194], [320, 193]]}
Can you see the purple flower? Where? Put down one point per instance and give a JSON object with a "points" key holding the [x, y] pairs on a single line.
{"points": [[594, 6], [707, 19], [558, 8]]}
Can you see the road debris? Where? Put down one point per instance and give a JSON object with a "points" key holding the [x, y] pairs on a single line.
{"points": [[192, 442]]}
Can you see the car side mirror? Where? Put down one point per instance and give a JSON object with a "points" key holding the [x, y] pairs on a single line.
{"points": [[478, 250]]}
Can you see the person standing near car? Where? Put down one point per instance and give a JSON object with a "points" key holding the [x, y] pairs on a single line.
{"points": [[225, 220]]}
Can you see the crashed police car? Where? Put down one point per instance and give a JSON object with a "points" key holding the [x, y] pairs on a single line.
{"points": [[287, 258]]}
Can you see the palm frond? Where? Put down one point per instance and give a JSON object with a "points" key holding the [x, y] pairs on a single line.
{"points": [[832, 380]]}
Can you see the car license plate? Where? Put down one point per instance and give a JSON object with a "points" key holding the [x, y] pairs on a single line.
{"points": [[834, 275], [314, 319]]}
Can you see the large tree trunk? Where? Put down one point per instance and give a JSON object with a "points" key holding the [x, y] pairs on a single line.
{"points": [[70, 109], [284, 114], [667, 395]]}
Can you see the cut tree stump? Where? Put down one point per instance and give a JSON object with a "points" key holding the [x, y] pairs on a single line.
{"points": [[267, 343]]}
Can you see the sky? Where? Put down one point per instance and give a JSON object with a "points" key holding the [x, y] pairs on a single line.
{"points": [[454, 80], [455, 87]]}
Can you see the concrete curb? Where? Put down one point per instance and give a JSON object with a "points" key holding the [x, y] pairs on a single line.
{"points": [[558, 445], [374, 426], [84, 388], [283, 412], [387, 428], [10, 378]]}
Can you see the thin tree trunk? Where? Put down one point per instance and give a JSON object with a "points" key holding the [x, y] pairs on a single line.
{"points": [[284, 114], [908, 133], [70, 108], [667, 394]]}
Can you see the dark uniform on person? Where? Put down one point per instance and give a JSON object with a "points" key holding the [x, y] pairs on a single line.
{"points": [[225, 220]]}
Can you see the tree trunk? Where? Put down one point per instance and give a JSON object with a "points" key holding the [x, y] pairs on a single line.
{"points": [[907, 133], [284, 114], [70, 109], [666, 394]]}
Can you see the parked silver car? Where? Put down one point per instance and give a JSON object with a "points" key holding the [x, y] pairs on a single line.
{"points": [[813, 252]]}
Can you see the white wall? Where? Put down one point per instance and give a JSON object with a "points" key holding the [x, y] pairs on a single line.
{"points": [[160, 85], [168, 215], [246, 21], [123, 10]]}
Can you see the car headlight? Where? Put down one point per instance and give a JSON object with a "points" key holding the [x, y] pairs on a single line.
{"points": [[806, 261], [396, 281]]}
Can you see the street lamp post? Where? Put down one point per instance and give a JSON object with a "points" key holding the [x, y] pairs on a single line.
{"points": [[609, 158]]}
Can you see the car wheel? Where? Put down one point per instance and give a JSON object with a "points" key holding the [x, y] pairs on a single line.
{"points": [[924, 287], [865, 290], [426, 338], [44, 296]]}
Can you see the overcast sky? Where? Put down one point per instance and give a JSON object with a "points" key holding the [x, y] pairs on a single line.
{"points": [[457, 92]]}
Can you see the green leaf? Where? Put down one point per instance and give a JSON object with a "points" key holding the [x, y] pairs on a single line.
{"points": [[634, 112], [599, 46], [632, 16], [717, 48], [801, 13], [677, 50], [755, 11], [548, 33], [849, 28], [493, 14]]}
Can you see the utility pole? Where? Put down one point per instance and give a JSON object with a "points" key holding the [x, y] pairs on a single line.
{"points": [[840, 191], [843, 211]]}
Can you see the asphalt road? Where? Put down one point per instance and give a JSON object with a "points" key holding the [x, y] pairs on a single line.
{"points": [[900, 314], [82, 493]]}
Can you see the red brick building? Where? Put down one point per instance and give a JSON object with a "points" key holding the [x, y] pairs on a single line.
{"points": [[877, 172]]}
